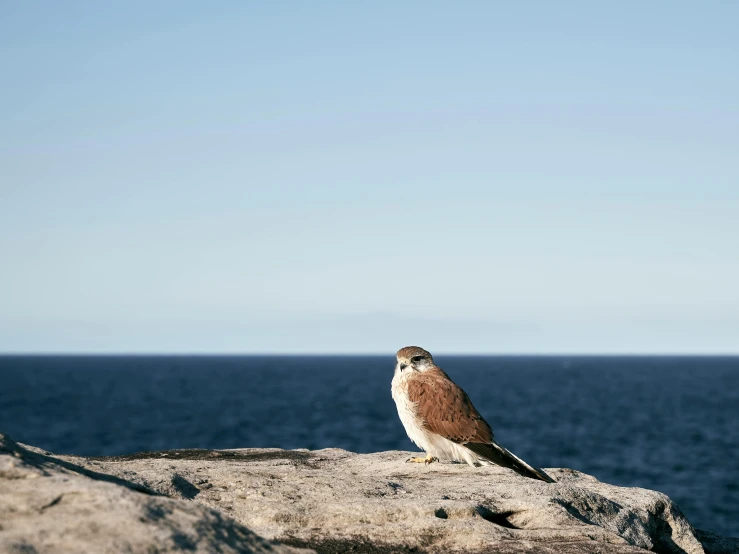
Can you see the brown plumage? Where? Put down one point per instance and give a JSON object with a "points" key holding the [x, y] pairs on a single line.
{"points": [[408, 352], [446, 408]]}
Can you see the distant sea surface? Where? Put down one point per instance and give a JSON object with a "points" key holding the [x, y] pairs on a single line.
{"points": [[664, 423]]}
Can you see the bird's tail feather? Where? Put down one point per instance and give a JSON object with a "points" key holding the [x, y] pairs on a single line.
{"points": [[496, 454]]}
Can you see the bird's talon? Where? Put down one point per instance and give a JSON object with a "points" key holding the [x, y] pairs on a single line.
{"points": [[417, 460]]}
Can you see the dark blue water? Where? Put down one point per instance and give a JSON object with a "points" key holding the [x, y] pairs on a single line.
{"points": [[670, 424]]}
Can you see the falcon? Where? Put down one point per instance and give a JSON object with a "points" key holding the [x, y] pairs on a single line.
{"points": [[440, 418]]}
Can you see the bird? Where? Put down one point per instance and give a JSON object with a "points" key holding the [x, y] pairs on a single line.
{"points": [[439, 417]]}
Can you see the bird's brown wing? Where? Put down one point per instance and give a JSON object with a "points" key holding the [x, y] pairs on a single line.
{"points": [[446, 409]]}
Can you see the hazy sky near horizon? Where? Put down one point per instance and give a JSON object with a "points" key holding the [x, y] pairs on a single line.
{"points": [[533, 177]]}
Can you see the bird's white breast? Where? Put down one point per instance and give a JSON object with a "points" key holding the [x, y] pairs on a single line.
{"points": [[408, 413]]}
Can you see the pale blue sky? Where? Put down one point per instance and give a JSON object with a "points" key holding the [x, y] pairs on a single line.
{"points": [[533, 177]]}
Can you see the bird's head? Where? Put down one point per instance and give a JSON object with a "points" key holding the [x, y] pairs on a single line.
{"points": [[413, 358]]}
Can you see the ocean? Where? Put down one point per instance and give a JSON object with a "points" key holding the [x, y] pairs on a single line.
{"points": [[664, 423]]}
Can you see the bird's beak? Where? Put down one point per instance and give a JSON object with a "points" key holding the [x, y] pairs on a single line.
{"points": [[403, 366]]}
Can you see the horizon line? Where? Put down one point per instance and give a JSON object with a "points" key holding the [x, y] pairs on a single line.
{"points": [[372, 354]]}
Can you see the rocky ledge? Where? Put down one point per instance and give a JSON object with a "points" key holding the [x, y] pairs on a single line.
{"points": [[327, 500]]}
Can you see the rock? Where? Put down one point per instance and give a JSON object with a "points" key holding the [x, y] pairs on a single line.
{"points": [[336, 501], [329, 500], [48, 505]]}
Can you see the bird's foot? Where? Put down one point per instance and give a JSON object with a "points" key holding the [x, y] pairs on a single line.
{"points": [[426, 461]]}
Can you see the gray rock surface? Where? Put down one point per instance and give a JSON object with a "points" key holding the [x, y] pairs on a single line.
{"points": [[332, 501], [48, 505]]}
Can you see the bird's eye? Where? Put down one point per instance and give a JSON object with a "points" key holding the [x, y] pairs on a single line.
{"points": [[416, 359]]}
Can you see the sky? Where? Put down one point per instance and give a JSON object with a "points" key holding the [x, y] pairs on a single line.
{"points": [[317, 177]]}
